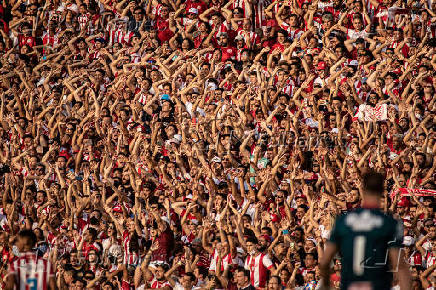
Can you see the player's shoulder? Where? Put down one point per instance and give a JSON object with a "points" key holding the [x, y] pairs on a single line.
{"points": [[28, 259], [364, 218]]}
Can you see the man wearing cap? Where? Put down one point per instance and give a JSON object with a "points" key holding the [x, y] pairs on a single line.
{"points": [[99, 42], [321, 70], [186, 18]]}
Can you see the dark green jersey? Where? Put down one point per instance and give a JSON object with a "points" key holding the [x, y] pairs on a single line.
{"points": [[364, 237]]}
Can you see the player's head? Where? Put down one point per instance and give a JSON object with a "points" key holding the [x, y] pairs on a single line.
{"points": [[26, 240], [373, 183]]}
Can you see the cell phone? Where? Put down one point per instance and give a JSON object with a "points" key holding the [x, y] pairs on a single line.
{"points": [[285, 232]]}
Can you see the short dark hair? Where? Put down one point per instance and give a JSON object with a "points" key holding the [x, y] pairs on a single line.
{"points": [[202, 271], [311, 254], [373, 183], [29, 236], [251, 240], [93, 232], [268, 229], [279, 280], [190, 275], [108, 283], [244, 271]]}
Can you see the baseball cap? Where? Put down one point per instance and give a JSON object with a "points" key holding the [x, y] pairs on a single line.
{"points": [[301, 196], [321, 65], [172, 140], [267, 238], [408, 241], [178, 137], [165, 97], [404, 202]]}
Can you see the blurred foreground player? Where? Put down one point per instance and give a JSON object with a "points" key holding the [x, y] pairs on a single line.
{"points": [[369, 243], [29, 271]]}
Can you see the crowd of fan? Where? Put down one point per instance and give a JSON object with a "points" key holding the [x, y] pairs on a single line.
{"points": [[210, 145]]}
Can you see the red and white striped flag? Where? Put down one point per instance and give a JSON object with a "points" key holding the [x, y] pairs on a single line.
{"points": [[370, 113]]}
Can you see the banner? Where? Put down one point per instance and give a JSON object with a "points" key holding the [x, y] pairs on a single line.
{"points": [[413, 191], [370, 113], [392, 11]]}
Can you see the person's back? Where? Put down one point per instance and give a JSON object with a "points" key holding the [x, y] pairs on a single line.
{"points": [[364, 237], [29, 271], [369, 243]]}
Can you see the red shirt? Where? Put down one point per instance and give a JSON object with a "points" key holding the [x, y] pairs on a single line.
{"points": [[277, 45], [199, 5], [163, 26], [23, 40], [166, 244], [227, 53]]}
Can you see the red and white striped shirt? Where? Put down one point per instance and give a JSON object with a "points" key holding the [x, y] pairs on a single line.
{"points": [[83, 20], [250, 36], [48, 40], [240, 4], [31, 271], [293, 33], [259, 13], [258, 267], [94, 55], [225, 263], [224, 27], [156, 284], [120, 36], [129, 257]]}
